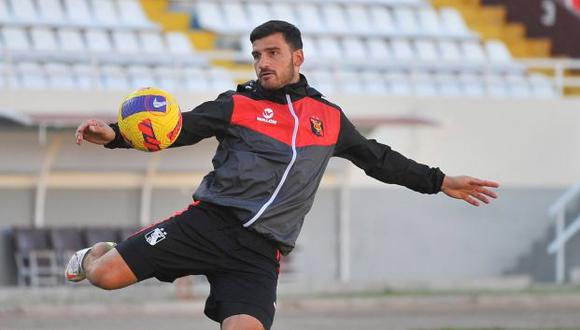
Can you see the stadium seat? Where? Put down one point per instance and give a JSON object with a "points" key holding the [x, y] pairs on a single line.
{"points": [[235, 17], [167, 78], [141, 76], [95, 235], [178, 44], [354, 49], [60, 76], [31, 75], [449, 51], [473, 52], [495, 85], [406, 20], [98, 41], [448, 85], [220, 80], [335, 19], [125, 42], [402, 50], [378, 49], [542, 87], [113, 77], [152, 42], [5, 15], [359, 19], [429, 21], [518, 86], [86, 76], [195, 79], [472, 85], [15, 39], [104, 12], [426, 50], [210, 16], [453, 22], [43, 39], [71, 40], [373, 82], [311, 52], [329, 48], [382, 20], [323, 80], [78, 11], [51, 11], [349, 82], [24, 11], [285, 12], [131, 13], [424, 85], [35, 260], [399, 84], [497, 52], [259, 13], [310, 18]]}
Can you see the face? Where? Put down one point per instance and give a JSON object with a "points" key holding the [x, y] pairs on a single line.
{"points": [[275, 62]]}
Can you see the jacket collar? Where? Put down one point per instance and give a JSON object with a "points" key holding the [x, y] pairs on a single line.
{"points": [[296, 90]]}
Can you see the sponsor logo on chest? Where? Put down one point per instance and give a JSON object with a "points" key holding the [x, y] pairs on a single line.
{"points": [[267, 117]]}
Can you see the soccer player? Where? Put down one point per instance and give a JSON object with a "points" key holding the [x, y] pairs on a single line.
{"points": [[276, 135]]}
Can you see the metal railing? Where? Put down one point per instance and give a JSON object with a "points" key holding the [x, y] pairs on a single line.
{"points": [[563, 233]]}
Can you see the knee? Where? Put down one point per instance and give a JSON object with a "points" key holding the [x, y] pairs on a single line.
{"points": [[242, 322], [102, 279]]}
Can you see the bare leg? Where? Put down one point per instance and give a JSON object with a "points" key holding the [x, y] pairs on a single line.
{"points": [[106, 269], [241, 322]]}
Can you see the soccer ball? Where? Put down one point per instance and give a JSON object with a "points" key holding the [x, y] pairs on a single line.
{"points": [[149, 119]]}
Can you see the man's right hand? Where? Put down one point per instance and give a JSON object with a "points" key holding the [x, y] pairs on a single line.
{"points": [[95, 131]]}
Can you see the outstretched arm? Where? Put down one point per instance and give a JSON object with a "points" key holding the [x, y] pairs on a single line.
{"points": [[95, 131], [469, 189]]}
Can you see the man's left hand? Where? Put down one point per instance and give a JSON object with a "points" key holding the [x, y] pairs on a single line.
{"points": [[471, 190]]}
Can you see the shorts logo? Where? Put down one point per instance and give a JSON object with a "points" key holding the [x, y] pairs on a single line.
{"points": [[267, 115], [155, 236], [316, 126]]}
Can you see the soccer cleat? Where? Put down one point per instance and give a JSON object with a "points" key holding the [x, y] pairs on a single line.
{"points": [[74, 271]]}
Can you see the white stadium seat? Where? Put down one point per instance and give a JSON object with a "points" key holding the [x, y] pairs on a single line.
{"points": [[471, 84], [472, 51], [541, 86], [60, 76], [426, 50], [210, 16], [71, 40], [424, 84], [24, 10], [323, 81], [235, 17], [402, 50], [105, 12], [86, 76], [453, 21], [98, 41], [258, 13], [406, 20], [178, 44], [31, 75], [79, 11], [220, 80], [354, 49], [195, 79], [329, 48], [449, 51], [131, 12], [496, 85], [448, 85], [373, 82], [311, 52], [114, 77], [497, 52], [382, 20], [15, 39], [310, 18], [152, 42], [285, 12], [349, 82], [43, 39], [141, 76], [167, 78], [5, 15], [378, 49], [125, 42], [51, 10], [359, 19], [518, 86], [335, 19], [429, 21], [398, 83]]}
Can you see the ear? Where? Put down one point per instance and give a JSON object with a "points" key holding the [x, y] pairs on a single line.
{"points": [[298, 57]]}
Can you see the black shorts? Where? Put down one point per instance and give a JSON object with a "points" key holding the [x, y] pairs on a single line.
{"points": [[241, 265]]}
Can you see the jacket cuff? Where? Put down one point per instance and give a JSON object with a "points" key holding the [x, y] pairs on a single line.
{"points": [[118, 141], [438, 177]]}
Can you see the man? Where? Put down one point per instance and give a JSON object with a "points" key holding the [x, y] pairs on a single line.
{"points": [[275, 136]]}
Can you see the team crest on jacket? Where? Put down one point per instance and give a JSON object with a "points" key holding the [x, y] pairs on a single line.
{"points": [[316, 126]]}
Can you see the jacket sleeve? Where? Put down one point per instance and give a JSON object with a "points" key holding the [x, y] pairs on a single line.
{"points": [[384, 164], [206, 120]]}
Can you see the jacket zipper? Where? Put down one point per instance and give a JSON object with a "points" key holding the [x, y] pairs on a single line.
{"points": [[288, 168]]}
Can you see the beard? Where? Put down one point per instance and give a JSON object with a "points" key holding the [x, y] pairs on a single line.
{"points": [[280, 78]]}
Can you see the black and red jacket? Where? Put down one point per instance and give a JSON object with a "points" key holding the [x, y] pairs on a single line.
{"points": [[274, 147]]}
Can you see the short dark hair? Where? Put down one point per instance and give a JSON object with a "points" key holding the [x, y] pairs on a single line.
{"points": [[290, 32]]}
